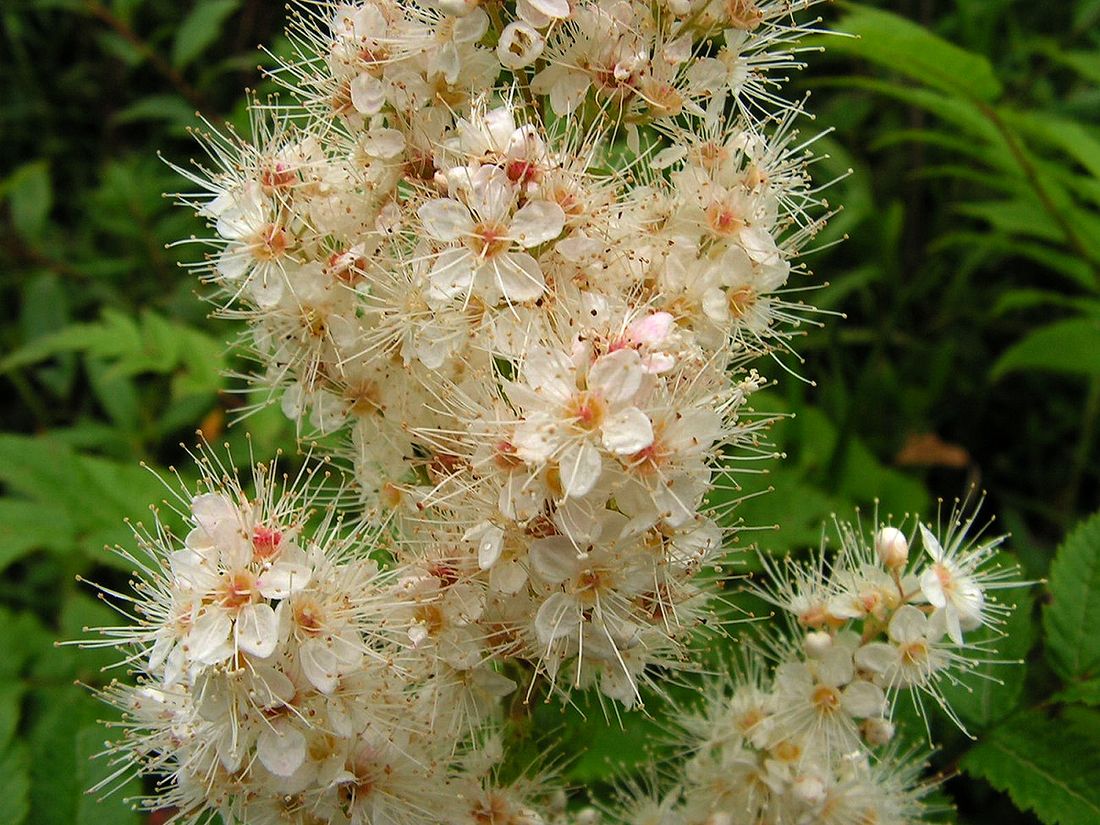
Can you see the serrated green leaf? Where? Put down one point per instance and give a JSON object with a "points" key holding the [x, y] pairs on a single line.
{"points": [[30, 196], [200, 28], [1072, 616], [14, 785], [899, 44], [1080, 693], [1069, 346], [1049, 766]]}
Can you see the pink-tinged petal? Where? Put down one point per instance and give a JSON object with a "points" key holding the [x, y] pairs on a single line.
{"points": [[554, 559], [627, 431], [579, 466], [617, 377], [652, 329], [445, 219], [257, 630], [282, 749], [537, 222], [558, 616], [517, 275]]}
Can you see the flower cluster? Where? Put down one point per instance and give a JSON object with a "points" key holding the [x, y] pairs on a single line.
{"points": [[512, 264]]}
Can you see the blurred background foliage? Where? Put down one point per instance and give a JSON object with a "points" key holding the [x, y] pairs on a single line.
{"points": [[969, 275]]}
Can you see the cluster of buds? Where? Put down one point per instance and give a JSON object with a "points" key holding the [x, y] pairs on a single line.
{"points": [[511, 264]]}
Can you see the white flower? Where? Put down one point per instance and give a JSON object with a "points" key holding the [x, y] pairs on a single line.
{"points": [[489, 235], [569, 420], [950, 588]]}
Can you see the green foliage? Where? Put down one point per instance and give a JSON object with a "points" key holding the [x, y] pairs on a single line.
{"points": [[1071, 618], [1049, 766]]}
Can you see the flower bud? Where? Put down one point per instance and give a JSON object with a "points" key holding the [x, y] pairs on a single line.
{"points": [[817, 643], [808, 788], [892, 548], [877, 731]]}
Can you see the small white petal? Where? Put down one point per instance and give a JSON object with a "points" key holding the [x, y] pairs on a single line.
{"points": [[445, 219], [558, 616], [281, 750], [580, 466], [537, 222], [320, 665], [617, 377], [627, 431], [283, 579], [863, 700], [257, 630]]}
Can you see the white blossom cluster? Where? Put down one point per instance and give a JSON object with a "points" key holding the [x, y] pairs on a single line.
{"points": [[510, 263], [812, 739]]}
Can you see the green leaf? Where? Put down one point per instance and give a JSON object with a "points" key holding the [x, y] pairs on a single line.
{"points": [[56, 766], [171, 108], [108, 805], [11, 699], [1049, 766], [30, 196], [14, 785], [1069, 346], [200, 28], [26, 526], [94, 494], [1080, 693], [912, 50], [1073, 614]]}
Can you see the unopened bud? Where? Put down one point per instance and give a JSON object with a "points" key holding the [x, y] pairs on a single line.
{"points": [[892, 548], [877, 731], [809, 789], [817, 643]]}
